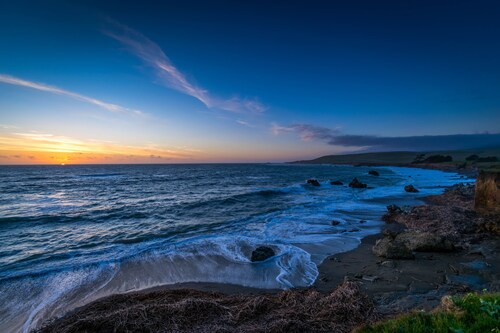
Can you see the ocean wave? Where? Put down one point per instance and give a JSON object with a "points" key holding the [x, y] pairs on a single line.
{"points": [[190, 224], [101, 175], [218, 259]]}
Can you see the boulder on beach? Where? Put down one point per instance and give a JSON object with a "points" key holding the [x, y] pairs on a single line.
{"points": [[410, 189], [337, 182], [373, 173], [262, 253], [425, 242], [390, 248], [313, 182], [355, 183]]}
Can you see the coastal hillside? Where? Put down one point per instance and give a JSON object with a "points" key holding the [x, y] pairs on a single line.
{"points": [[481, 158]]}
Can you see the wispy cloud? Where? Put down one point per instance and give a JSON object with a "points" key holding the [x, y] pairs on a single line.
{"points": [[334, 137], [7, 127], [55, 90], [153, 56], [306, 132], [244, 123]]}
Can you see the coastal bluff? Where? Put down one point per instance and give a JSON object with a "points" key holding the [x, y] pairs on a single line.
{"points": [[487, 196]]}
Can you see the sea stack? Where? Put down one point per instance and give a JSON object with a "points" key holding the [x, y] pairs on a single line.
{"points": [[487, 196], [313, 182], [410, 189], [355, 183]]}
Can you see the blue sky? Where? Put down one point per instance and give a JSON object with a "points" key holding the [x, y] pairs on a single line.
{"points": [[209, 81]]}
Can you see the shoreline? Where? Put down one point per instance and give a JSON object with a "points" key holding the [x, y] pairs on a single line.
{"points": [[395, 286]]}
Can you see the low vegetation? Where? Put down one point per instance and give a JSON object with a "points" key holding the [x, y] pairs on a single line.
{"points": [[487, 159], [471, 158], [468, 314], [433, 159]]}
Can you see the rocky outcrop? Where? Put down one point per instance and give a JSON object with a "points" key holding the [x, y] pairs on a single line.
{"points": [[337, 182], [393, 209], [457, 222], [313, 182], [355, 183], [392, 212], [373, 173], [390, 248], [424, 242], [262, 253], [410, 189], [487, 197]]}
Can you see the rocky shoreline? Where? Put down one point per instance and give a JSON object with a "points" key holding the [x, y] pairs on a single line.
{"points": [[424, 253]]}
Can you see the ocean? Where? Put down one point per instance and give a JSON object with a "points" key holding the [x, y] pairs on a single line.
{"points": [[71, 234]]}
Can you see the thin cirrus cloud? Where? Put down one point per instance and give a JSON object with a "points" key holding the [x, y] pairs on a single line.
{"points": [[334, 137], [151, 54], [55, 90]]}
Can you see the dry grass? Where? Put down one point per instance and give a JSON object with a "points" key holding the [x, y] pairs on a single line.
{"points": [[195, 311]]}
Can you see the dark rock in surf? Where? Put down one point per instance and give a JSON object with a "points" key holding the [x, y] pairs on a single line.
{"points": [[373, 173], [313, 182], [410, 189], [337, 182], [262, 253], [355, 183]]}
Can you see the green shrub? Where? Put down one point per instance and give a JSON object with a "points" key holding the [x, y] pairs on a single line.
{"points": [[472, 157], [471, 313], [487, 159]]}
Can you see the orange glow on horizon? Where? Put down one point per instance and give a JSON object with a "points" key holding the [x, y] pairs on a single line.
{"points": [[41, 148]]}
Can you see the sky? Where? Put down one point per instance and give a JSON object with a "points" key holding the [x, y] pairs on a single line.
{"points": [[244, 81]]}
